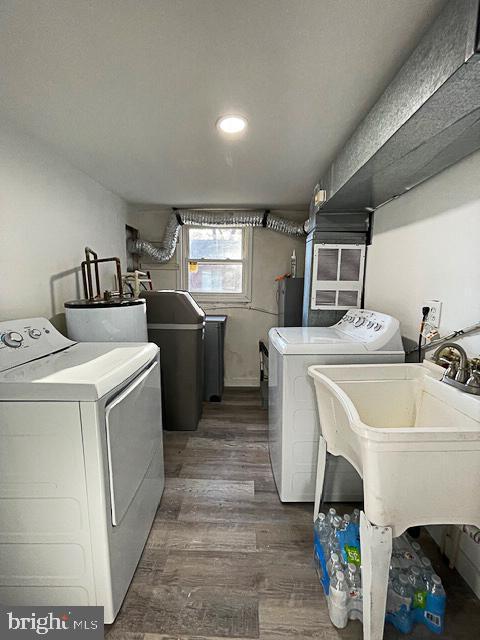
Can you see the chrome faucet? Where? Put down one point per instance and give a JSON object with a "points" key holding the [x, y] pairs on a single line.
{"points": [[461, 376], [461, 373]]}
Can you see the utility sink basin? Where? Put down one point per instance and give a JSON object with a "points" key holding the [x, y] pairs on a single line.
{"points": [[413, 439]]}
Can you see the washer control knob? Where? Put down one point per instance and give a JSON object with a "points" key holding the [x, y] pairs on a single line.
{"points": [[35, 333], [359, 321], [12, 339]]}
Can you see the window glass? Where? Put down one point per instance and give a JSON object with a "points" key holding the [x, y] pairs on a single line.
{"points": [[214, 243], [214, 278]]}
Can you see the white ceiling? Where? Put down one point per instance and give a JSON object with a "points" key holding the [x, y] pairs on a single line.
{"points": [[129, 90]]}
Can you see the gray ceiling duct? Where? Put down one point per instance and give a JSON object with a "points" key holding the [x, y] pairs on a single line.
{"points": [[427, 119]]}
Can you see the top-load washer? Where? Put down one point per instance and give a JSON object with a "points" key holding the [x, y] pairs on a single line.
{"points": [[81, 465], [360, 337]]}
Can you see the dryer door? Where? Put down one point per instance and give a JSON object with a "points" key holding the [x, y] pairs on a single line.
{"points": [[134, 436]]}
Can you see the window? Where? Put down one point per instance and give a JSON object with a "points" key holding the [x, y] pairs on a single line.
{"points": [[216, 263]]}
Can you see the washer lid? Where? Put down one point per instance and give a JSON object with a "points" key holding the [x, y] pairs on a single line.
{"points": [[84, 371], [359, 331], [314, 341]]}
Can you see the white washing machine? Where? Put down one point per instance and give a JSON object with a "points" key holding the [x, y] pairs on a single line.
{"points": [[81, 465], [361, 336]]}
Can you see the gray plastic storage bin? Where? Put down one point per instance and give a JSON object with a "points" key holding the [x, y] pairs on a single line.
{"points": [[176, 324], [214, 347]]}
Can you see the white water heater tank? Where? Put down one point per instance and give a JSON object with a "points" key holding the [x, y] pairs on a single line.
{"points": [[115, 320]]}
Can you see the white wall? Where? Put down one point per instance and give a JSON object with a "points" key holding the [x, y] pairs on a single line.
{"points": [[245, 325], [426, 246], [49, 212]]}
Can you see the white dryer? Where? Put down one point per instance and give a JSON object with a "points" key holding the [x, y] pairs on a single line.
{"points": [[81, 465], [361, 336]]}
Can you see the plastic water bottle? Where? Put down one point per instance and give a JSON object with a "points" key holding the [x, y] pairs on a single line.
{"points": [[320, 551], [333, 539], [434, 615], [404, 552], [339, 582], [395, 567], [419, 589], [321, 519], [334, 564], [321, 527], [427, 578], [399, 604], [337, 523], [427, 572], [321, 531], [349, 540], [417, 551], [355, 594], [331, 515], [353, 576], [338, 600], [414, 575], [437, 588], [402, 587], [354, 528]]}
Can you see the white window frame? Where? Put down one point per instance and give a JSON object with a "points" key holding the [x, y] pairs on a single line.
{"points": [[246, 261]]}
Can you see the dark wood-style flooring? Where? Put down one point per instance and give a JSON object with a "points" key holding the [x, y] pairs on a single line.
{"points": [[226, 559]]}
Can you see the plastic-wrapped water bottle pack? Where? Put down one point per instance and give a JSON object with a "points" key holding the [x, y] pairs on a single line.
{"points": [[415, 592], [337, 558]]}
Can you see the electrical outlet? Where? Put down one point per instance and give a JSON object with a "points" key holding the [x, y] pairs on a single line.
{"points": [[433, 317]]}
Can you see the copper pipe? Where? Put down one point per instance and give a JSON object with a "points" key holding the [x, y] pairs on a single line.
{"points": [[119, 277], [86, 268], [87, 279], [89, 251], [84, 278]]}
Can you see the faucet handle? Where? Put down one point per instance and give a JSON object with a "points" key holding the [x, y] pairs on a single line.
{"points": [[475, 364], [452, 370], [474, 379], [463, 373]]}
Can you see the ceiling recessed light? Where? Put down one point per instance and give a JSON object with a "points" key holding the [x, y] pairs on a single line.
{"points": [[231, 124]]}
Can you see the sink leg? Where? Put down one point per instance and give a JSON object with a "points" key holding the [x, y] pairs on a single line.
{"points": [[321, 464], [376, 549]]}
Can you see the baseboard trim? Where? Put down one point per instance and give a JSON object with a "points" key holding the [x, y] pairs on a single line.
{"points": [[242, 382]]}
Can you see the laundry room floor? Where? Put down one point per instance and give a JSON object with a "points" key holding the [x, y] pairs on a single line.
{"points": [[226, 559]]}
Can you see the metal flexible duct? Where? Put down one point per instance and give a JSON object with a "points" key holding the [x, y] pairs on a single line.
{"points": [[158, 254], [206, 218]]}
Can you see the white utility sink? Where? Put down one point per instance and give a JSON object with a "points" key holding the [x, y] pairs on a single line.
{"points": [[413, 439]]}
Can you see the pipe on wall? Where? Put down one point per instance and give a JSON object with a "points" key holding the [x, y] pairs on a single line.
{"points": [[212, 218]]}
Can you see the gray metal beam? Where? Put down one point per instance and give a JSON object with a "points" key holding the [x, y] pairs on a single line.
{"points": [[427, 119]]}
